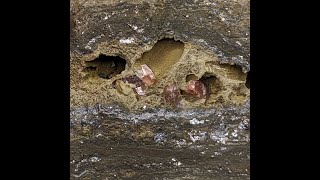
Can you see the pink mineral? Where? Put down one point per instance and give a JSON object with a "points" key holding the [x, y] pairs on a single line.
{"points": [[137, 83], [146, 75], [133, 80], [172, 94], [140, 90], [196, 88]]}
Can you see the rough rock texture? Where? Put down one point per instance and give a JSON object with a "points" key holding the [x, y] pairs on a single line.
{"points": [[180, 40], [107, 142]]}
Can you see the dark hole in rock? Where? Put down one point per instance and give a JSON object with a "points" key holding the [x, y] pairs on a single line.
{"points": [[191, 77], [213, 86], [91, 68], [105, 66], [209, 81], [248, 80]]}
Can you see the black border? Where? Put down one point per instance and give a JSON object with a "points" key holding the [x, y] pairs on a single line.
{"points": [[36, 118], [280, 133], [35, 122]]}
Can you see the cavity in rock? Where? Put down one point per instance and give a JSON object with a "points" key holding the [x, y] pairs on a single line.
{"points": [[105, 67]]}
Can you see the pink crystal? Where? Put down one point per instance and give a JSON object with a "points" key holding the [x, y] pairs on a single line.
{"points": [[133, 80], [137, 83], [146, 75], [172, 94], [140, 91], [196, 88]]}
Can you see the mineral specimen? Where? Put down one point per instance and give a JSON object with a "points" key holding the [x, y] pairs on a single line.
{"points": [[146, 75], [172, 94], [196, 88]]}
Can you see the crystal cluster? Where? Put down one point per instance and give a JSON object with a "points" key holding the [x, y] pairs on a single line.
{"points": [[172, 94], [196, 88], [144, 77]]}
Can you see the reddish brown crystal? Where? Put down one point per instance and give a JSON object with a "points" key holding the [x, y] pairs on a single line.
{"points": [[133, 80], [139, 85], [196, 88], [172, 94], [146, 75]]}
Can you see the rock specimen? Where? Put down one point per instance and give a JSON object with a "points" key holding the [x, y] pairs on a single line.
{"points": [[159, 42]]}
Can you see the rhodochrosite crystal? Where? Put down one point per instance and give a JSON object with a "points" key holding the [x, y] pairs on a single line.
{"points": [[137, 82], [172, 94], [146, 75], [133, 80], [196, 88]]}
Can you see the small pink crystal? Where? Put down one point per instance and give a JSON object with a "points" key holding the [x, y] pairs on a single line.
{"points": [[140, 91], [146, 75], [140, 88], [172, 94], [133, 80], [196, 88]]}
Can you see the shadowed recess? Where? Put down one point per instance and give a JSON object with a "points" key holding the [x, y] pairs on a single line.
{"points": [[248, 80], [105, 67], [214, 87]]}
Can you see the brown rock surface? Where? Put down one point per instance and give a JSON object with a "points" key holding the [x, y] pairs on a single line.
{"points": [[111, 39]]}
